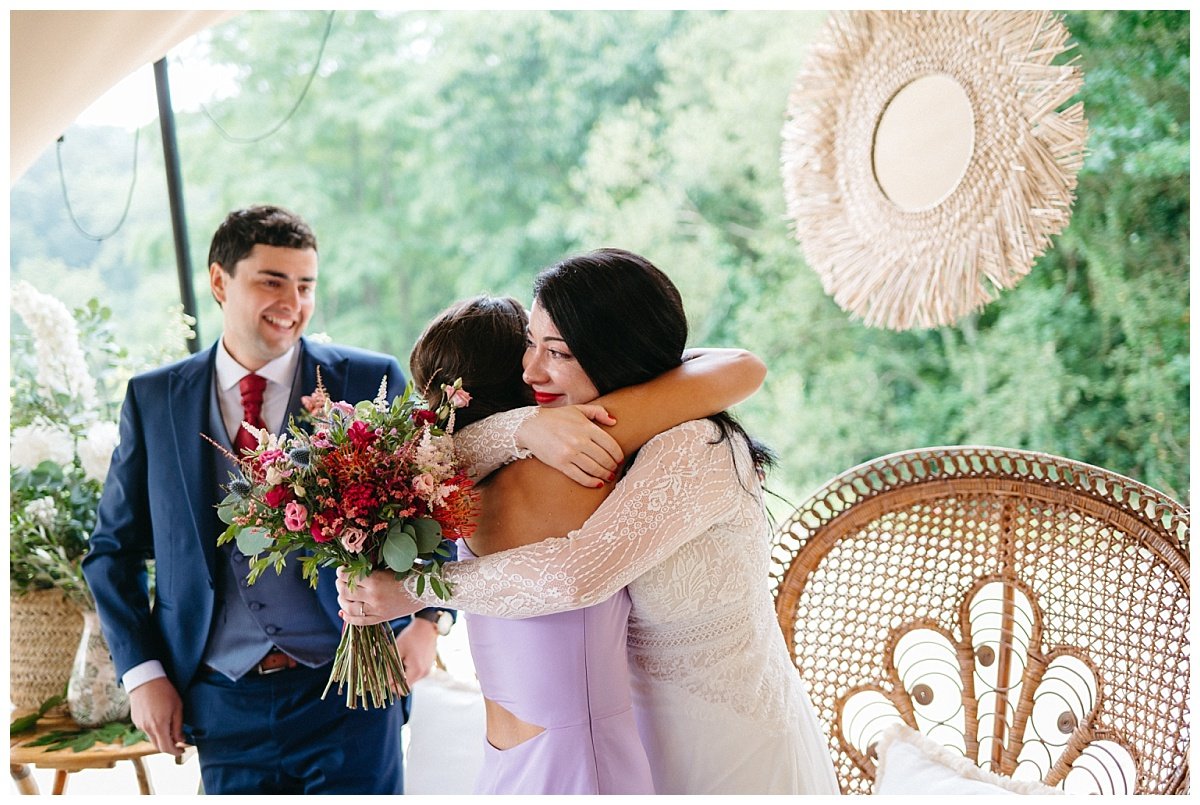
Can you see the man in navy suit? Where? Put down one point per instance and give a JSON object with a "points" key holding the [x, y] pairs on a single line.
{"points": [[238, 670]]}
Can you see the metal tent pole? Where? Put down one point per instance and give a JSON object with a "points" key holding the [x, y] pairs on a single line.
{"points": [[183, 261]]}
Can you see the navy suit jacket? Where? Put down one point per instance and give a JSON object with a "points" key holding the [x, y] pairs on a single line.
{"points": [[159, 503]]}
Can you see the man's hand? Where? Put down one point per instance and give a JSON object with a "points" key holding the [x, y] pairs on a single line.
{"points": [[378, 597], [417, 645], [569, 440], [157, 710]]}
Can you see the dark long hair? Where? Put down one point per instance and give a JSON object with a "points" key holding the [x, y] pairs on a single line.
{"points": [[482, 341], [623, 320]]}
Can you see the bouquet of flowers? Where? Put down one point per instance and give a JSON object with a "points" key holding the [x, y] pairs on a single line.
{"points": [[367, 486]]}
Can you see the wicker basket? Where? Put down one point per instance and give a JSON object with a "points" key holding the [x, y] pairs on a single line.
{"points": [[44, 633]]}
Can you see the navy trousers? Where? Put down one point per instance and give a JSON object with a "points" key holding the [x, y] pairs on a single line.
{"points": [[274, 734]]}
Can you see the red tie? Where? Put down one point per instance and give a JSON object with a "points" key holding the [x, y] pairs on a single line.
{"points": [[252, 396]]}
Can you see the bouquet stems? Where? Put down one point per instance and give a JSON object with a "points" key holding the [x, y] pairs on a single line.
{"points": [[367, 665]]}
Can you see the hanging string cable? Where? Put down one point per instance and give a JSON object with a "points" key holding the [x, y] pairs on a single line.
{"points": [[304, 92], [62, 181]]}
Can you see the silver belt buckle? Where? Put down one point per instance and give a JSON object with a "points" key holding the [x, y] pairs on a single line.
{"points": [[268, 671]]}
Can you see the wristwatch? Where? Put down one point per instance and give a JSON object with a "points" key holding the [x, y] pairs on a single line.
{"points": [[440, 618]]}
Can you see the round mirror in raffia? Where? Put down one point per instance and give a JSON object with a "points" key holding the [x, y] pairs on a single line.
{"points": [[900, 267]]}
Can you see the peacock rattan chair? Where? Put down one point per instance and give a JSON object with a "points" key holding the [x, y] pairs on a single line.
{"points": [[910, 586]]}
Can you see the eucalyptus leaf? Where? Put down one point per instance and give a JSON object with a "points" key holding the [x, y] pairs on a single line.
{"points": [[226, 510], [428, 534], [253, 540], [399, 550]]}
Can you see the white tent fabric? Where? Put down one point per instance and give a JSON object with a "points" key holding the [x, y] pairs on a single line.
{"points": [[62, 61]]}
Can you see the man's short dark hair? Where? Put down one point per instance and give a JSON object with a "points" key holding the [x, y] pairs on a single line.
{"points": [[243, 229]]}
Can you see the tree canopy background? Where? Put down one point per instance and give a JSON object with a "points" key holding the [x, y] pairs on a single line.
{"points": [[443, 154]]}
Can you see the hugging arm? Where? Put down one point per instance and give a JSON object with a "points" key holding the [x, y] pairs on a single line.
{"points": [[678, 488], [706, 383], [569, 440]]}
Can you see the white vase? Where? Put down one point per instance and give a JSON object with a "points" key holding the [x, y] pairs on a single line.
{"points": [[93, 695]]}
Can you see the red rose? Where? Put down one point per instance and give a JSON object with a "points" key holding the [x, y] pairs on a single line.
{"points": [[279, 495], [422, 416]]}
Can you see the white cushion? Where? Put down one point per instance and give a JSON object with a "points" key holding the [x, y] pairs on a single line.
{"points": [[911, 763]]}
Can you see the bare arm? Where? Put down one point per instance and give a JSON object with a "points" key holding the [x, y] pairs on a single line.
{"points": [[708, 381]]}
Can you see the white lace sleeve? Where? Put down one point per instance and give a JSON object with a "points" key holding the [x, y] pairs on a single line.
{"points": [[679, 486], [485, 446]]}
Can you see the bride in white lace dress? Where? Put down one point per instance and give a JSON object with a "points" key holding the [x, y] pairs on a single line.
{"points": [[720, 707]]}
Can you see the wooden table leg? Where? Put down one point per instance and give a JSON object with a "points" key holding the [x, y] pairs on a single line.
{"points": [[60, 781], [143, 776], [23, 777]]}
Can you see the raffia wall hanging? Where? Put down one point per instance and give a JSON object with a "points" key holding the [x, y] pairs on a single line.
{"points": [[905, 263]]}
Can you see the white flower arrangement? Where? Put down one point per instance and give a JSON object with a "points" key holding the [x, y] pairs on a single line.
{"points": [[68, 377], [30, 445], [61, 365], [96, 449], [43, 511]]}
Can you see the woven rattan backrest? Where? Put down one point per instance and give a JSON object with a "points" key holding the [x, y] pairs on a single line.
{"points": [[909, 587]]}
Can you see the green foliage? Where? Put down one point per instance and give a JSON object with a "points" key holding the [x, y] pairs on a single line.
{"points": [[441, 154], [83, 739], [28, 722]]}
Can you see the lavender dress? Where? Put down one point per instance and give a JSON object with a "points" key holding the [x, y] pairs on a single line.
{"points": [[566, 672]]}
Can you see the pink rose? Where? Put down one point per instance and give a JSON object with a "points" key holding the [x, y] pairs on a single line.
{"points": [[424, 485], [459, 398], [344, 408], [294, 516], [353, 539]]}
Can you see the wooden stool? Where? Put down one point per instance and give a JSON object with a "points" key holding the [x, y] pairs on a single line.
{"points": [[65, 761]]}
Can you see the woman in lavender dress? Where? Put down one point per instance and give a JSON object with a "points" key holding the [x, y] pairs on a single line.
{"points": [[556, 687]]}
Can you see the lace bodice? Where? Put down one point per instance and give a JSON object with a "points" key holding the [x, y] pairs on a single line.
{"points": [[489, 444], [686, 531]]}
